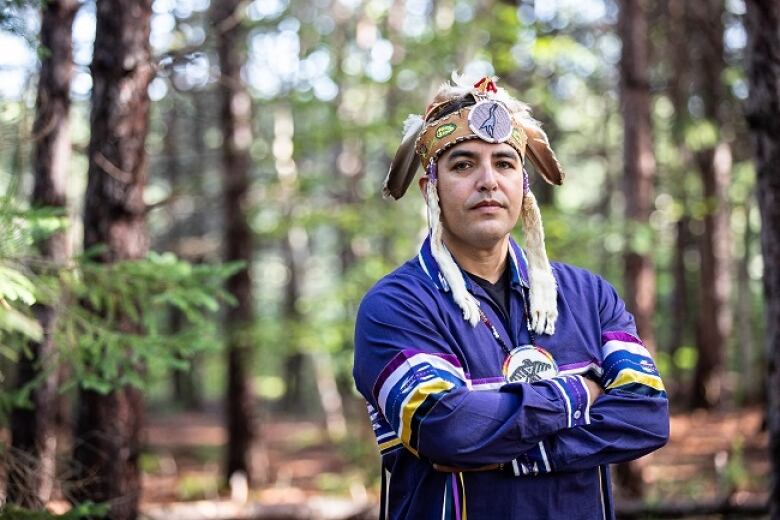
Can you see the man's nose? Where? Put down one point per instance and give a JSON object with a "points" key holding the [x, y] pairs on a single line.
{"points": [[487, 180]]}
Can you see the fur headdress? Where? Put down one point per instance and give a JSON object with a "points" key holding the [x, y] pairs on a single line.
{"points": [[460, 112]]}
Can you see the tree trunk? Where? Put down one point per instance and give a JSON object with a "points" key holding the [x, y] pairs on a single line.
{"points": [[294, 400], [236, 120], [680, 300], [294, 249], [184, 384], [639, 162], [679, 91], [639, 165], [749, 382], [108, 427], [330, 398], [33, 431], [714, 164], [714, 327], [763, 115]]}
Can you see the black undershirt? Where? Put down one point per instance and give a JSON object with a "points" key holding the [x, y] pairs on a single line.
{"points": [[498, 292]]}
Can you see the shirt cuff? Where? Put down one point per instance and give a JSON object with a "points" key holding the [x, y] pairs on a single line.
{"points": [[533, 462], [575, 395]]}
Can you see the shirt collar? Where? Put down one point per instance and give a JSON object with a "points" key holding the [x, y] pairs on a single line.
{"points": [[518, 263]]}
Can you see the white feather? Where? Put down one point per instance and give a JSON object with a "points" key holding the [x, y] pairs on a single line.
{"points": [[412, 125]]}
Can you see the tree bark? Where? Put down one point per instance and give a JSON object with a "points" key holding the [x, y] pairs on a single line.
{"points": [[714, 327], [679, 92], [330, 398], [294, 256], [762, 21], [639, 161], [236, 114], [680, 300], [714, 164], [33, 430], [749, 384], [185, 388], [639, 166], [107, 444]]}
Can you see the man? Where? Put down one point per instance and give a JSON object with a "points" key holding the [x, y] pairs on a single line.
{"points": [[499, 386]]}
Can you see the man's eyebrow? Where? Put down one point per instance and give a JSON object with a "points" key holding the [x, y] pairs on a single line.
{"points": [[506, 154], [456, 154], [468, 154]]}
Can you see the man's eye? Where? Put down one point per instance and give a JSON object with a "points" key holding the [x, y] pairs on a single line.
{"points": [[504, 165], [461, 165]]}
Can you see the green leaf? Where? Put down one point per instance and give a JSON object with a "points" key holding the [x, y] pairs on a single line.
{"points": [[701, 135], [16, 286], [11, 320]]}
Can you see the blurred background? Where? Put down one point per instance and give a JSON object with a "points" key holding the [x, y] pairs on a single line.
{"points": [[191, 212]]}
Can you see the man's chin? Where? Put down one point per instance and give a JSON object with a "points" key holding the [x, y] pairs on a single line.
{"points": [[487, 236], [479, 235]]}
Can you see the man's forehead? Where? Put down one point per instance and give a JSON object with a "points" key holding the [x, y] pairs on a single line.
{"points": [[480, 147]]}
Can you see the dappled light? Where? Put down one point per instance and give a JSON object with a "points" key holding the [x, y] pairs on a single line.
{"points": [[191, 214]]}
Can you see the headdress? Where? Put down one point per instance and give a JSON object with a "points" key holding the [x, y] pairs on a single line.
{"points": [[460, 112]]}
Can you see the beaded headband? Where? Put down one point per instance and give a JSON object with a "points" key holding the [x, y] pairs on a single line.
{"points": [[459, 113], [487, 119]]}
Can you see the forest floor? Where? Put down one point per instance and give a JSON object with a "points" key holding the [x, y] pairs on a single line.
{"points": [[710, 456]]}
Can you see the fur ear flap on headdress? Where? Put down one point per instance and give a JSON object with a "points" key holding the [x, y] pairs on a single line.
{"points": [[544, 291], [541, 155], [406, 160]]}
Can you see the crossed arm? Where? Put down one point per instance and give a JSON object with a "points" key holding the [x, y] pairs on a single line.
{"points": [[594, 392], [568, 423]]}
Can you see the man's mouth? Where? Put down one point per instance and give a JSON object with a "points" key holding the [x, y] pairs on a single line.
{"points": [[488, 204]]}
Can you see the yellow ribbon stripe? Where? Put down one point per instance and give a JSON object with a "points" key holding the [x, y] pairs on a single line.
{"points": [[389, 444], [415, 400], [463, 495], [628, 376]]}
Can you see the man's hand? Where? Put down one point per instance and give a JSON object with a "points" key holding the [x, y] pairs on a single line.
{"points": [[594, 389]]}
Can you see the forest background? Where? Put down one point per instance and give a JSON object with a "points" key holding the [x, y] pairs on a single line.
{"points": [[191, 212]]}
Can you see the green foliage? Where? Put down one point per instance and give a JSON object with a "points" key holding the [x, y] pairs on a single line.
{"points": [[120, 326], [112, 324], [701, 135], [15, 286], [85, 510], [685, 357], [18, 231], [736, 473], [196, 486], [17, 290], [640, 238]]}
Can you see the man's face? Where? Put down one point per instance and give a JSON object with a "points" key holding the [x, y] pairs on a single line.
{"points": [[480, 193]]}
